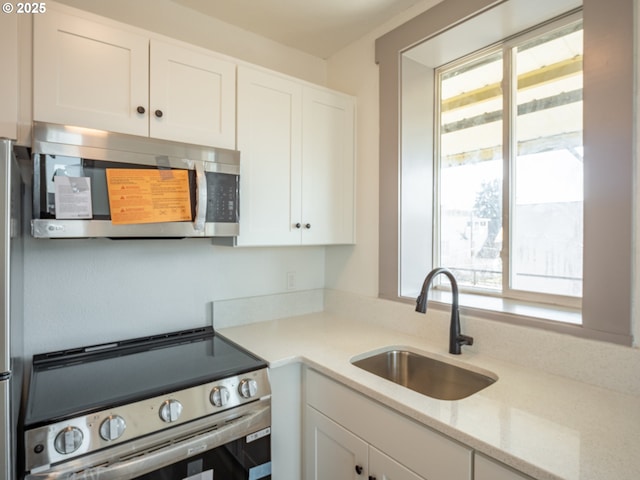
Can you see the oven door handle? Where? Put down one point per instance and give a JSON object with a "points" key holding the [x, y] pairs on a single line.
{"points": [[93, 467]]}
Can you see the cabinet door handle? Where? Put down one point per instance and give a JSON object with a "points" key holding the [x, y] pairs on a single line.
{"points": [[359, 469], [307, 226], [140, 110], [298, 225], [158, 113]]}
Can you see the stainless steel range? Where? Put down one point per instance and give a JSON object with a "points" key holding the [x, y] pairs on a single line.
{"points": [[185, 405]]}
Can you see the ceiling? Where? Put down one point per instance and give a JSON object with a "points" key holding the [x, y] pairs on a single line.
{"points": [[318, 27]]}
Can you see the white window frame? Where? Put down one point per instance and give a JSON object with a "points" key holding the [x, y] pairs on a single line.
{"points": [[509, 109], [609, 127]]}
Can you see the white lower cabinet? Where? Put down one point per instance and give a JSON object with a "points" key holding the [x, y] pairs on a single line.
{"points": [[488, 469], [346, 433], [332, 452], [383, 467], [337, 454]]}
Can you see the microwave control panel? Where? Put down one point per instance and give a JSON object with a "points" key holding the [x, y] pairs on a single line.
{"points": [[222, 198]]}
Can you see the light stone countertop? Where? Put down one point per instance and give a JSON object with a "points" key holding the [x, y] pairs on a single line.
{"points": [[546, 426]]}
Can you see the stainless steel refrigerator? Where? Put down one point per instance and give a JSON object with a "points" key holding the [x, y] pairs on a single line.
{"points": [[11, 305]]}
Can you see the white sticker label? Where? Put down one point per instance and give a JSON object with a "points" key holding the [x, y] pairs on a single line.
{"points": [[73, 197], [255, 436]]}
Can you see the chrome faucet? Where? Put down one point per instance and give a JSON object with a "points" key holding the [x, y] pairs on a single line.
{"points": [[456, 339]]}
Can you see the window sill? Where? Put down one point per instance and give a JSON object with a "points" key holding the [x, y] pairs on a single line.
{"points": [[552, 317]]}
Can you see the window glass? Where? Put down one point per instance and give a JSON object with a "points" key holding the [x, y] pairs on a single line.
{"points": [[514, 113], [546, 222], [470, 173]]}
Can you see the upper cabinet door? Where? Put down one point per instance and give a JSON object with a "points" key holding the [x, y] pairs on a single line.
{"points": [[89, 74], [269, 139], [192, 96], [328, 175]]}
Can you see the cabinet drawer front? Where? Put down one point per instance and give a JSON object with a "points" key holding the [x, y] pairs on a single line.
{"points": [[415, 446]]}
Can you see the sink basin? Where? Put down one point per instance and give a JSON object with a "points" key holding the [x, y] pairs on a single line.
{"points": [[425, 375]]}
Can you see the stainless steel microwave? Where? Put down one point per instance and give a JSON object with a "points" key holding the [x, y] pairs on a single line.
{"points": [[91, 183]]}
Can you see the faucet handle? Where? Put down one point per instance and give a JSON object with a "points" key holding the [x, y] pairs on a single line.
{"points": [[464, 340]]}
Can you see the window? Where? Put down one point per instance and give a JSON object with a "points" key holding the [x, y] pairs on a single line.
{"points": [[408, 57], [509, 139]]}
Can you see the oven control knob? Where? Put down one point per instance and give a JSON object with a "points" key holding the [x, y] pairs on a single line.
{"points": [[219, 396], [248, 387], [68, 440], [170, 411], [112, 428]]}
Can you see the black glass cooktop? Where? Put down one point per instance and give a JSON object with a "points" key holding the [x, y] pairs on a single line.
{"points": [[79, 381]]}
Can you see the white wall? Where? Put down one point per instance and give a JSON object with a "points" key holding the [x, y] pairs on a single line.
{"points": [[82, 292], [353, 70]]}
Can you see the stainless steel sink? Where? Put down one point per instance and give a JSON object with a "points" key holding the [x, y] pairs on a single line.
{"points": [[425, 375]]}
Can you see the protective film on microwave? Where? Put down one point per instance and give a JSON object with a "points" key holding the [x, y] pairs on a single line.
{"points": [[148, 195]]}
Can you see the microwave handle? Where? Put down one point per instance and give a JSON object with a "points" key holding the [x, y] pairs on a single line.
{"points": [[201, 199]]}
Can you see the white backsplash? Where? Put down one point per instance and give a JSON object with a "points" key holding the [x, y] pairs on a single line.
{"points": [[241, 311], [85, 292]]}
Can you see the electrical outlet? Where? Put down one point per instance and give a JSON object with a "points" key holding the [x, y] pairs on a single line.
{"points": [[291, 280]]}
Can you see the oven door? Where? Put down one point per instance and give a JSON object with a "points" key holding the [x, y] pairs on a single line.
{"points": [[232, 445], [246, 458]]}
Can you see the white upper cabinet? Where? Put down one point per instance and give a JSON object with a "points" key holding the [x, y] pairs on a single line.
{"points": [[297, 162], [296, 140], [89, 74], [383, 467], [100, 76], [328, 172], [270, 144], [191, 96]]}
